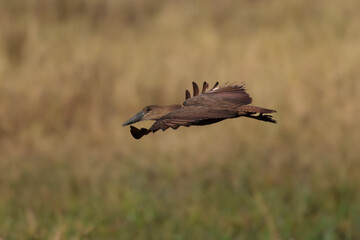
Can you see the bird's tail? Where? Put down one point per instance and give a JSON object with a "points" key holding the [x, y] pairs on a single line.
{"points": [[249, 111]]}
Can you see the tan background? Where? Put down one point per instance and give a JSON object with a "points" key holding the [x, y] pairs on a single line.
{"points": [[71, 72]]}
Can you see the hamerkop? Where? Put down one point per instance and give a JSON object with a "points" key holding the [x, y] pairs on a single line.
{"points": [[208, 107]]}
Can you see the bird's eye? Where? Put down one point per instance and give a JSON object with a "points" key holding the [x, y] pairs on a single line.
{"points": [[147, 109]]}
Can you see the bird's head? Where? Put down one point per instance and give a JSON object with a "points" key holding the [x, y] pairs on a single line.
{"points": [[151, 112]]}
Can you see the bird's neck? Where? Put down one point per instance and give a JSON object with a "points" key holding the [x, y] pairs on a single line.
{"points": [[161, 111]]}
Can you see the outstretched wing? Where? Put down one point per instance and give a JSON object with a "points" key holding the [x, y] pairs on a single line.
{"points": [[208, 107], [192, 115], [228, 96]]}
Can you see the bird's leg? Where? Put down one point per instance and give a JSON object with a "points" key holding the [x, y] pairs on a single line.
{"points": [[265, 118]]}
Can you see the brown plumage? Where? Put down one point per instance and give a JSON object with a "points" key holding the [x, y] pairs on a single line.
{"points": [[215, 105]]}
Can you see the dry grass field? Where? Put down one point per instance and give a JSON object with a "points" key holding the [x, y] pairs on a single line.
{"points": [[72, 71]]}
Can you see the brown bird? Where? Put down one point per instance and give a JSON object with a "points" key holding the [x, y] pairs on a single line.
{"points": [[210, 106]]}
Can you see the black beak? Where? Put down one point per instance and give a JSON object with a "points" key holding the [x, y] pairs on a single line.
{"points": [[138, 117]]}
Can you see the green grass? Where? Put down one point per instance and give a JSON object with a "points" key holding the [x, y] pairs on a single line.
{"points": [[215, 201], [71, 72]]}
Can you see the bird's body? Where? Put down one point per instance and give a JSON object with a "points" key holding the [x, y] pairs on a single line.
{"points": [[215, 105]]}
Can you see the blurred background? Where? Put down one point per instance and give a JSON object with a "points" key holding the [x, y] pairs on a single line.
{"points": [[72, 71]]}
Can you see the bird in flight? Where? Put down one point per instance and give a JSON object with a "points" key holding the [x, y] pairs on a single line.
{"points": [[208, 107]]}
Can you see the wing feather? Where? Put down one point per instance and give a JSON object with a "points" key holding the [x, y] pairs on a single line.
{"points": [[226, 96], [205, 87], [196, 89], [214, 87], [191, 115], [187, 94]]}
